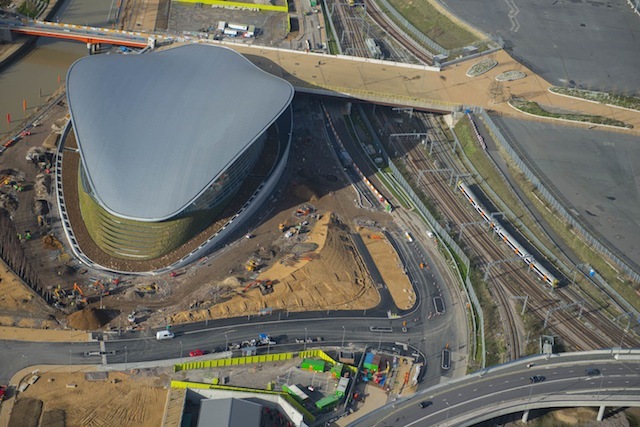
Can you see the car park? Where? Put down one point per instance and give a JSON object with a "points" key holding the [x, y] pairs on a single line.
{"points": [[425, 403], [195, 353], [592, 372], [537, 379]]}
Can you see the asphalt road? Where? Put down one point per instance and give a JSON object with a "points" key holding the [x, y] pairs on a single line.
{"points": [[592, 43], [477, 393]]}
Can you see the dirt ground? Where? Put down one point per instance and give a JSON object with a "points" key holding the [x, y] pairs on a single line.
{"points": [[317, 269], [390, 267], [69, 399], [329, 277], [20, 306]]}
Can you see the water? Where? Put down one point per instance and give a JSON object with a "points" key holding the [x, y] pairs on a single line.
{"points": [[44, 68]]}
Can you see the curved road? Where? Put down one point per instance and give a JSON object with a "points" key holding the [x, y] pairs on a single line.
{"points": [[507, 389]]}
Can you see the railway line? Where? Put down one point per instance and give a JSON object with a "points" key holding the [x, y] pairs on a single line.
{"points": [[381, 19], [591, 331]]}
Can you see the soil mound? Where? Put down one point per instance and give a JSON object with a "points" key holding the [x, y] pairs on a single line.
{"points": [[303, 192], [88, 319]]}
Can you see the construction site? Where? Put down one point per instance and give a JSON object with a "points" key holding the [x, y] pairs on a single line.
{"points": [[299, 257]]}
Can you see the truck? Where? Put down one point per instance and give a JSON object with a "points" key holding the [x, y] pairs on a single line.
{"points": [[264, 339]]}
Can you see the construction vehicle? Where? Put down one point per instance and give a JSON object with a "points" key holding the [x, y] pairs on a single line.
{"points": [[283, 226], [152, 288], [103, 290], [252, 265], [78, 294], [303, 210], [266, 286]]}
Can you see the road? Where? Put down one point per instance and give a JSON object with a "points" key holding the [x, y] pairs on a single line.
{"points": [[476, 397]]}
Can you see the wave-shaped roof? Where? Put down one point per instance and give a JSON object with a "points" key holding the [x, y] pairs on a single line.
{"points": [[154, 130]]}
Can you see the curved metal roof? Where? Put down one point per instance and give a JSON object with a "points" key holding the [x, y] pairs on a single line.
{"points": [[154, 130]]}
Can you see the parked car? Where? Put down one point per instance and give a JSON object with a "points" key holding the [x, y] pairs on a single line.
{"points": [[195, 353], [592, 372], [537, 379], [425, 403]]}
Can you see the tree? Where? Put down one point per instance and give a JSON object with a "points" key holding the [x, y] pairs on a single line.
{"points": [[496, 89]]}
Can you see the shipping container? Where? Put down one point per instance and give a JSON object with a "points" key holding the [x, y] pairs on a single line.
{"points": [[313, 365], [328, 402], [238, 27], [342, 387], [295, 391]]}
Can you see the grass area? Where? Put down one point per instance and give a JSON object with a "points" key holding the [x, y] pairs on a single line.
{"points": [[535, 109], [585, 251], [429, 21], [496, 350], [630, 102], [29, 8], [332, 46]]}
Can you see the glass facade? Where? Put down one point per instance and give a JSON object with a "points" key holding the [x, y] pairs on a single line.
{"points": [[140, 240]]}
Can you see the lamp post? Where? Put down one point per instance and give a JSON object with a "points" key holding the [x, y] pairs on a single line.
{"points": [[305, 340], [26, 361], [226, 343], [69, 360], [125, 357], [181, 352], [380, 341], [343, 333], [446, 419]]}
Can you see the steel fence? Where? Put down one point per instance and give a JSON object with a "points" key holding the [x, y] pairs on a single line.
{"points": [[562, 211], [451, 245]]}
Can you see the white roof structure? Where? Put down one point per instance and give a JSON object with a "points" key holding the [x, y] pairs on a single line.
{"points": [[155, 130]]}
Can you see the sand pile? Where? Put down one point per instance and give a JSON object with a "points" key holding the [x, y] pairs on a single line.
{"points": [[88, 319]]}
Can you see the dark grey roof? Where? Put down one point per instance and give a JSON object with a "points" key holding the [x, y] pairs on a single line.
{"points": [[154, 130], [229, 413]]}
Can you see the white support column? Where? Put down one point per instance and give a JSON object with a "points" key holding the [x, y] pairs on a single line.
{"points": [[601, 413], [525, 416]]}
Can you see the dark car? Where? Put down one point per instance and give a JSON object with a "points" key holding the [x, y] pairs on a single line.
{"points": [[536, 379], [425, 403], [592, 372]]}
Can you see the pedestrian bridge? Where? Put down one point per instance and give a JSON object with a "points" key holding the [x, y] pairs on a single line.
{"points": [[86, 34], [384, 82]]}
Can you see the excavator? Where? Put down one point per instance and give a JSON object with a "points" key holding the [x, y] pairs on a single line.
{"points": [[78, 293], [266, 286]]}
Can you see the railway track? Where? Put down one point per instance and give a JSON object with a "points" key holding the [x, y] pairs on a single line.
{"points": [[381, 19], [591, 331]]}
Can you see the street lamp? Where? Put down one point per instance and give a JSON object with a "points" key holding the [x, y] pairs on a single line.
{"points": [[125, 357], [226, 343], [26, 361], [446, 419], [380, 341], [69, 360], [181, 352], [305, 340], [343, 332]]}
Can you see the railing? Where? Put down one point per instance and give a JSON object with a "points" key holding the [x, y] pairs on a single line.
{"points": [[556, 205]]}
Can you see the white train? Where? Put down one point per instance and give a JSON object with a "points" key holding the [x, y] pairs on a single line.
{"points": [[534, 265]]}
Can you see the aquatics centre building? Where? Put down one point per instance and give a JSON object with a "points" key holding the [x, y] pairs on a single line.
{"points": [[167, 153]]}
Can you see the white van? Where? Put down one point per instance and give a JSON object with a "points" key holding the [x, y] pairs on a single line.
{"points": [[164, 335]]}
